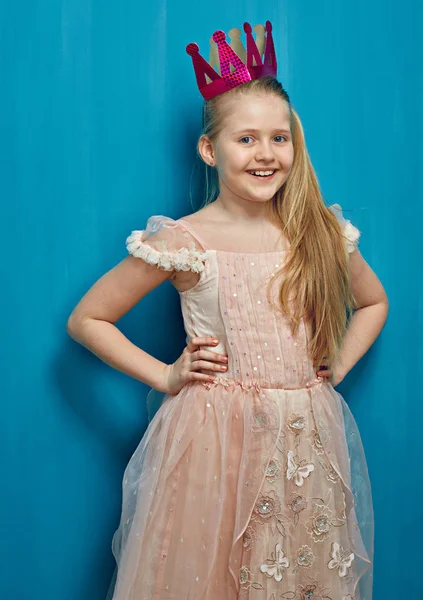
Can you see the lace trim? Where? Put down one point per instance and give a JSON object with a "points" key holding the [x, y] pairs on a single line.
{"points": [[184, 259], [352, 235], [229, 382]]}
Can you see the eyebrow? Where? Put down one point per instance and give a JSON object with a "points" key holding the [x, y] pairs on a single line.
{"points": [[248, 130]]}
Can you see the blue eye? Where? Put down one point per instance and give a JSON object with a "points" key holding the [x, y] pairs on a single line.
{"points": [[246, 137], [280, 136]]}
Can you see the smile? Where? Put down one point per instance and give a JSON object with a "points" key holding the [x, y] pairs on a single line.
{"points": [[261, 174]]}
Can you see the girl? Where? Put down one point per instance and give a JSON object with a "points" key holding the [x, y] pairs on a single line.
{"points": [[250, 481]]}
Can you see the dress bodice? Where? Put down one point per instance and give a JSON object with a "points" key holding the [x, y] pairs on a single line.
{"points": [[229, 301]]}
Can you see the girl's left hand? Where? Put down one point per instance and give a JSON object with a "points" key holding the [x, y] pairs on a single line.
{"points": [[331, 374]]}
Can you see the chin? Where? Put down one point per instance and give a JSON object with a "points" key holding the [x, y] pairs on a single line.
{"points": [[263, 197]]}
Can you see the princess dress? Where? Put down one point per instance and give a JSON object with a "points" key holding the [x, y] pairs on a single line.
{"points": [[255, 486]]}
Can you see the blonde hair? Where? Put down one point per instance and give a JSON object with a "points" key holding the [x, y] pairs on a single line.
{"points": [[315, 282]]}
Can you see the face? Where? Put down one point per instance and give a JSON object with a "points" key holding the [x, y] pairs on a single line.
{"points": [[253, 153]]}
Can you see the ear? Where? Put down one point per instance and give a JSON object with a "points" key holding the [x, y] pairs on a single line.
{"points": [[206, 151]]}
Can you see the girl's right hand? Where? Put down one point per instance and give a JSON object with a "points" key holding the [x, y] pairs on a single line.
{"points": [[192, 361]]}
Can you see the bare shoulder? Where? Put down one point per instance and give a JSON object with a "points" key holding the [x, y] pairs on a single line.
{"points": [[201, 217]]}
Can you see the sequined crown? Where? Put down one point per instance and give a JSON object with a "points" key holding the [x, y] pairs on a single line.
{"points": [[234, 66]]}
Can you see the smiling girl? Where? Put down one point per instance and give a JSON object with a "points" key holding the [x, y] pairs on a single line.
{"points": [[250, 481]]}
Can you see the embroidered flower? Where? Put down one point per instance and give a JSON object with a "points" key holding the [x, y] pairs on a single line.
{"points": [[348, 597], [316, 442], [310, 589], [331, 474], [273, 470], [297, 504], [264, 418], [249, 538], [305, 558], [341, 559], [298, 470], [274, 566], [319, 525], [267, 510], [296, 423], [266, 507], [245, 579]]}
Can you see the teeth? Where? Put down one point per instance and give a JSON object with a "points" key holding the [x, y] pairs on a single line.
{"points": [[262, 173]]}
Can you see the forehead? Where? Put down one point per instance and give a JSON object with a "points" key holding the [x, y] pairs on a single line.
{"points": [[255, 111]]}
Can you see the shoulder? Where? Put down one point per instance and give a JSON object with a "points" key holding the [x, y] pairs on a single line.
{"points": [[165, 242], [351, 232]]}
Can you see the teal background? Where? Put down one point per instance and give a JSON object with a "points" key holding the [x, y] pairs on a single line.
{"points": [[99, 114]]}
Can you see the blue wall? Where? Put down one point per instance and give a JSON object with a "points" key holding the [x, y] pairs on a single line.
{"points": [[99, 114]]}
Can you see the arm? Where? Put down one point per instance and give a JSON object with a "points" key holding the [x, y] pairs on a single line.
{"points": [[367, 320], [91, 323]]}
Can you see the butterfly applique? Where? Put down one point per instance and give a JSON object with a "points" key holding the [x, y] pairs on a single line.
{"points": [[298, 470], [341, 559]]}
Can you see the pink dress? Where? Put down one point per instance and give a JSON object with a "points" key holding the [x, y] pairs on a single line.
{"points": [[254, 486]]}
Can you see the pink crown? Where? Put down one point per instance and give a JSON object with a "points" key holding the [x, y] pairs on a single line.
{"points": [[241, 73]]}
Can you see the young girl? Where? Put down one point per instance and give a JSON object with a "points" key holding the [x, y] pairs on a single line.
{"points": [[250, 481]]}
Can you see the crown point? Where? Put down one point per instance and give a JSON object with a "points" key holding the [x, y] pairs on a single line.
{"points": [[268, 27], [192, 49], [219, 36], [234, 33], [247, 28]]}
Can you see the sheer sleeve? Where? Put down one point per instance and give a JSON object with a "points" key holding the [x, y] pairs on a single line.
{"points": [[167, 244], [351, 233]]}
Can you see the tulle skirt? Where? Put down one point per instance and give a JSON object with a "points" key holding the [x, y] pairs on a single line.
{"points": [[244, 492]]}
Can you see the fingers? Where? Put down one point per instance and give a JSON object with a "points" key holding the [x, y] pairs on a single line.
{"points": [[208, 355], [202, 341], [205, 360], [327, 373]]}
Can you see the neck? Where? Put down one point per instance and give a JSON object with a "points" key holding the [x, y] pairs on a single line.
{"points": [[241, 210]]}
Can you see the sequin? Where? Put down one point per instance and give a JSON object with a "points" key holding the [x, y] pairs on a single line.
{"points": [[305, 557], [296, 423], [319, 525], [235, 294], [267, 506], [278, 358], [258, 301]]}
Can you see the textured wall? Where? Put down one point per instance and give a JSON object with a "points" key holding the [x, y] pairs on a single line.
{"points": [[99, 114]]}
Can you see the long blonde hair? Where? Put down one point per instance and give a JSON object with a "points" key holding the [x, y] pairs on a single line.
{"points": [[315, 282]]}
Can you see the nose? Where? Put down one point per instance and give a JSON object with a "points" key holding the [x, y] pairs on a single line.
{"points": [[264, 152]]}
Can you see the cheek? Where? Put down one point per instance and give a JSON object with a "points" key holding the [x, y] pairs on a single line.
{"points": [[232, 164], [287, 158]]}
